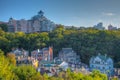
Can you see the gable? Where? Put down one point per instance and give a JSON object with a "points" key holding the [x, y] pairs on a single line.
{"points": [[97, 59]]}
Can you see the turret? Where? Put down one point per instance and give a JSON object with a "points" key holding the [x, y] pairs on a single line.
{"points": [[10, 20], [40, 13]]}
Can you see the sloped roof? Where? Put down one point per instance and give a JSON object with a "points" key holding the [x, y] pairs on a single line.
{"points": [[45, 49], [63, 64], [66, 50], [102, 57]]}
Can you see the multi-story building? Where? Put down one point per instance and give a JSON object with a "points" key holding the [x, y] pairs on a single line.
{"points": [[20, 52], [21, 55], [99, 26], [37, 23], [110, 27], [68, 55], [45, 54], [102, 63]]}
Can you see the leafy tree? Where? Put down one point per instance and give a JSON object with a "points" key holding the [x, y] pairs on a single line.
{"points": [[6, 69], [114, 78], [11, 58], [85, 42], [26, 72], [99, 76], [4, 27]]}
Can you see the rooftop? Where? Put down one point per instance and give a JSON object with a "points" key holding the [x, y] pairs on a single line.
{"points": [[102, 57]]}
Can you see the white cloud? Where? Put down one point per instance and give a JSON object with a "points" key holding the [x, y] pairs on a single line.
{"points": [[108, 13], [100, 20]]}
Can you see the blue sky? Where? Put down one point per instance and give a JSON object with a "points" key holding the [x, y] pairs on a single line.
{"points": [[66, 12]]}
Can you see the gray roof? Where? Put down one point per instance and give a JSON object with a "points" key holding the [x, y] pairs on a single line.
{"points": [[102, 57], [45, 49], [66, 50]]}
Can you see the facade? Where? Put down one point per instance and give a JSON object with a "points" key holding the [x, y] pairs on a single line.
{"points": [[17, 25], [68, 55], [3, 22], [45, 54], [22, 56], [99, 26], [20, 52], [110, 27], [38, 23], [102, 63]]}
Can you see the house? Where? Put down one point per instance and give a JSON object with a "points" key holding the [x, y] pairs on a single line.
{"points": [[117, 72], [68, 55], [99, 26], [37, 54], [64, 65], [19, 52], [103, 63], [22, 56], [45, 54], [35, 63], [111, 27]]}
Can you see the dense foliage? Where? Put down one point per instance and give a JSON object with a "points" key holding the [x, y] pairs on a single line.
{"points": [[4, 27], [85, 41]]}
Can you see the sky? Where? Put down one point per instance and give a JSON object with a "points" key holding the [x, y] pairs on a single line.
{"points": [[67, 12]]}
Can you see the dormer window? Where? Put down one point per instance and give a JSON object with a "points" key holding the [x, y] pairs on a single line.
{"points": [[103, 63]]}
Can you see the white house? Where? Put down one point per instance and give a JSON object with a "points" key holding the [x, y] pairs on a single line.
{"points": [[64, 65], [102, 63]]}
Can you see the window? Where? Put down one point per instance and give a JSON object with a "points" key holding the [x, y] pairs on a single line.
{"points": [[103, 67], [103, 62], [92, 66], [71, 60], [109, 67]]}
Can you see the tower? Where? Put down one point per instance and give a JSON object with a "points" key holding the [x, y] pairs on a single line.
{"points": [[40, 13], [50, 53]]}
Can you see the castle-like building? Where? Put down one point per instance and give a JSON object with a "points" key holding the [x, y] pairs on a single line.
{"points": [[102, 63], [38, 23]]}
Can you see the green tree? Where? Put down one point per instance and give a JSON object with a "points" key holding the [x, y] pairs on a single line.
{"points": [[26, 72], [6, 72], [98, 76], [11, 58], [4, 27]]}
